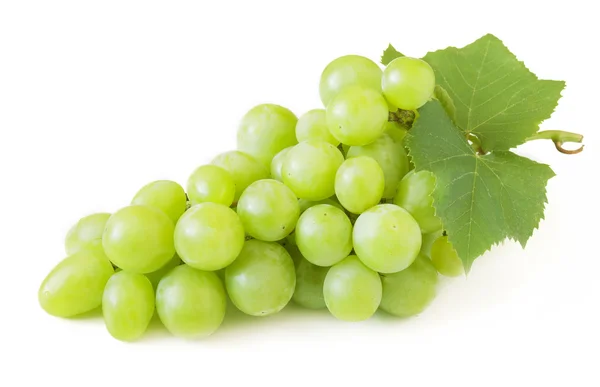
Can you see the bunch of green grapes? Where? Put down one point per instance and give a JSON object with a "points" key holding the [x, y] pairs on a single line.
{"points": [[320, 210]]}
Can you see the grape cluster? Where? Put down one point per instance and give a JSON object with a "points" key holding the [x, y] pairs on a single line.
{"points": [[324, 210]]}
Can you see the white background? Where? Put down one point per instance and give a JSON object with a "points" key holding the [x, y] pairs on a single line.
{"points": [[99, 98]]}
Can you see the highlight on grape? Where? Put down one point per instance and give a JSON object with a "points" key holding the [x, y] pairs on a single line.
{"points": [[404, 174]]}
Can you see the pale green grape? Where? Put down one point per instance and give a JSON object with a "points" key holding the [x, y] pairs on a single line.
{"points": [[244, 169], [127, 305], [157, 275], [75, 285], [396, 132], [414, 195], [277, 164], [324, 235], [166, 195], [428, 240], [309, 169], [390, 156], [445, 259], [209, 236], [269, 210], [262, 279], [309, 284], [312, 125], [357, 116], [191, 303], [86, 230], [139, 239], [211, 183], [359, 184], [351, 290], [265, 130], [306, 204], [387, 238], [408, 83], [346, 71], [411, 290]]}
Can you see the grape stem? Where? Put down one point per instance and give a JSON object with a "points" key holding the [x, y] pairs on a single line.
{"points": [[475, 144], [559, 137]]}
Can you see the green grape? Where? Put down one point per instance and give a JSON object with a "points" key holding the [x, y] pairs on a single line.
{"points": [[309, 169], [75, 285], [411, 290], [277, 163], [127, 305], [269, 210], [191, 303], [386, 238], [346, 71], [324, 235], [86, 230], [166, 195], [139, 239], [244, 169], [306, 204], [351, 290], [396, 132], [309, 284], [390, 156], [359, 184], [265, 130], [262, 279], [157, 275], [312, 125], [445, 259], [428, 240], [414, 195], [211, 183], [357, 116], [209, 236], [408, 82]]}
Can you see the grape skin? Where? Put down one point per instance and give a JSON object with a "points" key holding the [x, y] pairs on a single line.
{"points": [[408, 83], [347, 71], [309, 281], [312, 125], [386, 238], [211, 183], [309, 169], [277, 164], [357, 116], [139, 239], [75, 285], [87, 229], [262, 279], [268, 210], [265, 130], [244, 169], [445, 259], [415, 196], [166, 195], [191, 303], [351, 290], [209, 236], [127, 305], [359, 184], [411, 290], [324, 235], [390, 156]]}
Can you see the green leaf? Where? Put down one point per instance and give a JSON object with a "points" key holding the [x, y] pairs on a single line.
{"points": [[481, 199], [447, 103], [497, 98], [389, 55]]}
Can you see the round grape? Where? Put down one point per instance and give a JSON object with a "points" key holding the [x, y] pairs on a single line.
{"points": [[359, 184], [408, 83], [211, 183], [415, 196], [87, 230], [244, 169], [166, 195], [346, 71], [277, 164], [312, 125], [445, 259]]}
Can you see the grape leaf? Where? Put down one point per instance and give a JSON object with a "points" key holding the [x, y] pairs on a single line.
{"points": [[481, 199], [389, 55], [497, 98]]}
